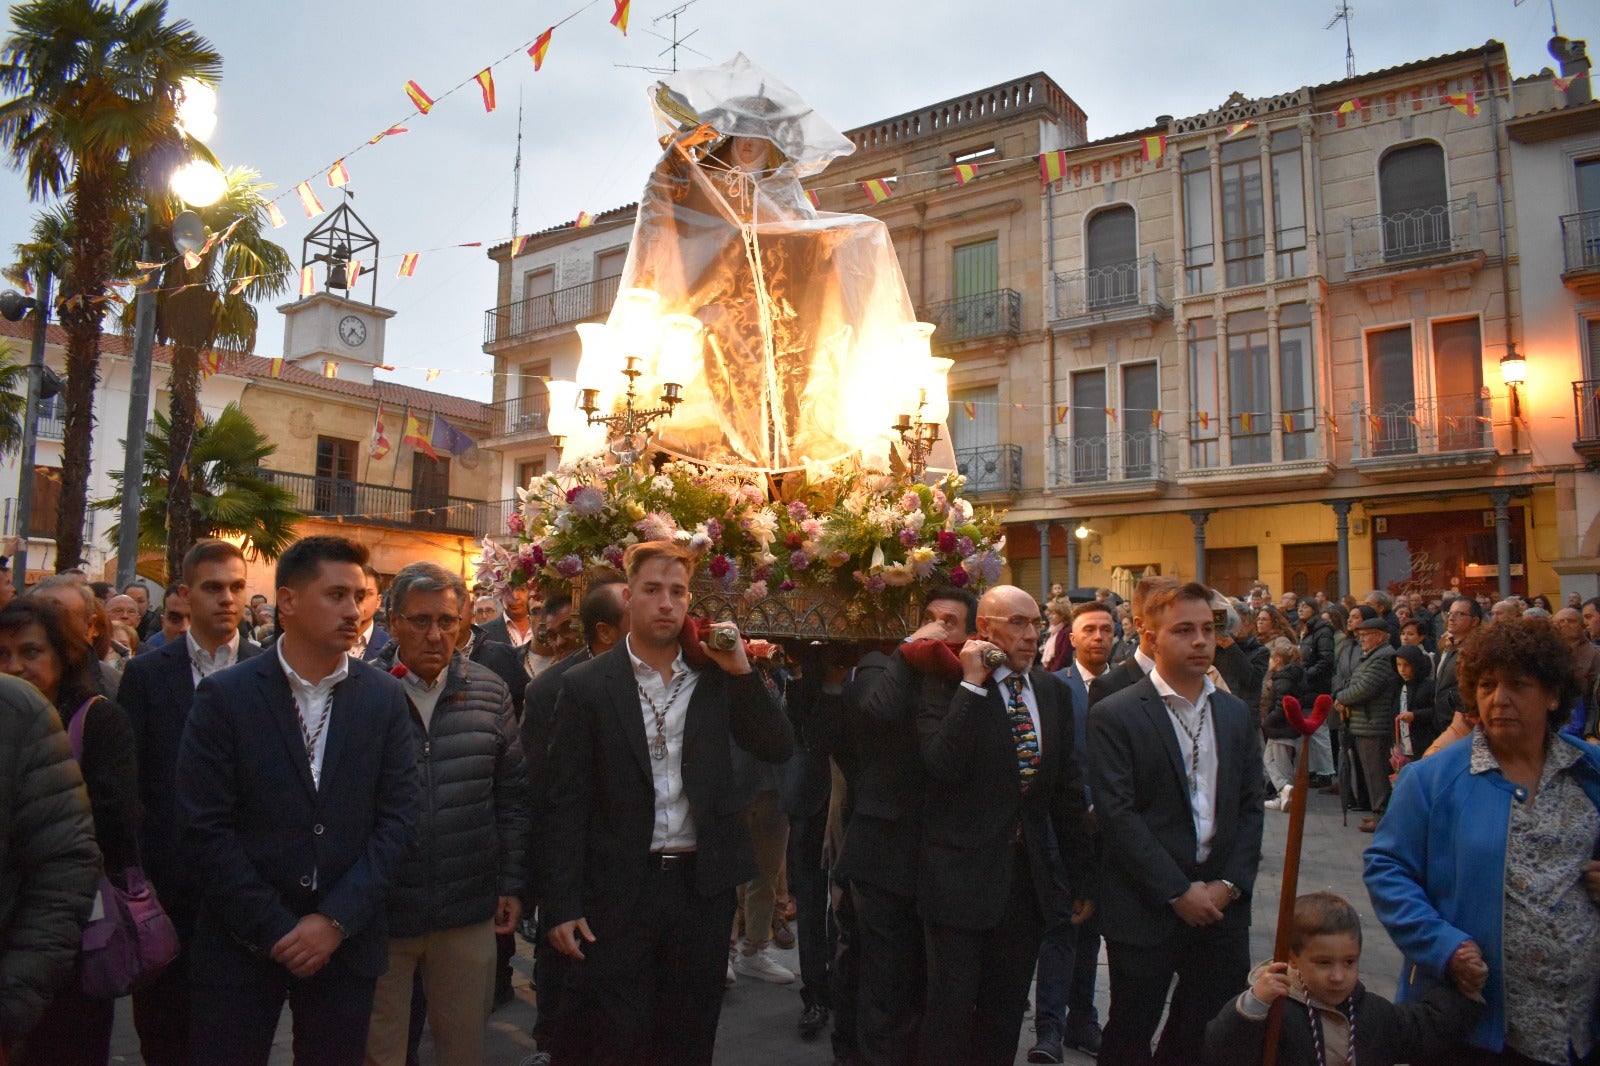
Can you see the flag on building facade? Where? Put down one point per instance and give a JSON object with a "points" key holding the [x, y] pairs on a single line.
{"points": [[485, 80], [447, 438], [338, 176], [421, 100], [1349, 106], [274, 215], [540, 46], [619, 17], [408, 264], [275, 368], [1155, 419], [969, 408], [965, 172], [1061, 412], [380, 443], [308, 281], [417, 438], [516, 246], [1153, 148], [1564, 84], [1205, 419], [308, 199], [1052, 166], [877, 189], [1466, 103], [585, 220], [1236, 128]]}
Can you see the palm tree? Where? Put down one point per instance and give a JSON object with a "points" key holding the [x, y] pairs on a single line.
{"points": [[229, 496], [91, 116], [210, 314], [13, 400]]}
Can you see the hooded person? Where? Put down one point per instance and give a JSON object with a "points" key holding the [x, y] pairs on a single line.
{"points": [[1416, 698]]}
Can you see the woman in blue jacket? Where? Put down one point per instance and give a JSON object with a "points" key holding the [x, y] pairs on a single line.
{"points": [[1485, 868]]}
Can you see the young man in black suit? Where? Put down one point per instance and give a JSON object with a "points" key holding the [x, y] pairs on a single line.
{"points": [[1176, 773], [157, 691], [879, 857], [645, 836], [1002, 768], [1137, 666], [298, 797]]}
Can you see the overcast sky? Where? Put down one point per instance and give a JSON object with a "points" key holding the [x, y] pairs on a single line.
{"points": [[308, 81]]}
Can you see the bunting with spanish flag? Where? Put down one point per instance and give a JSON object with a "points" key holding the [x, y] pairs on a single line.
{"points": [[1288, 421], [275, 216], [619, 17], [275, 367], [408, 265], [877, 189], [540, 47], [417, 437], [338, 176], [1246, 421], [239, 283], [1155, 419], [1236, 128], [970, 409], [1466, 103], [308, 199], [420, 99], [1350, 105], [584, 221], [1111, 414], [516, 246], [1205, 419], [1563, 84], [1061, 413], [965, 172], [431, 375], [352, 273], [380, 443], [191, 259], [308, 281], [485, 80], [816, 201], [1052, 166], [1152, 149], [392, 131]]}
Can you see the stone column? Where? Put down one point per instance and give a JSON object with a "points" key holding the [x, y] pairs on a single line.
{"points": [[1044, 560], [1074, 550], [1199, 520], [1502, 538], [1341, 524]]}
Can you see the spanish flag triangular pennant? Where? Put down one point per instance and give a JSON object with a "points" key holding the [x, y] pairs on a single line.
{"points": [[485, 80], [965, 172], [877, 189], [1466, 103], [419, 99], [392, 131], [338, 175], [1350, 105], [308, 281], [308, 199], [1153, 148], [816, 201], [275, 216], [619, 17], [1052, 166], [540, 47], [585, 220], [408, 264], [516, 246], [275, 367]]}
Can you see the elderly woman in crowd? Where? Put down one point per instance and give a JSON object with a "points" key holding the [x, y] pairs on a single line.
{"points": [[1515, 797]]}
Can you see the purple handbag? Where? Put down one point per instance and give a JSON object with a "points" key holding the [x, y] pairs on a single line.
{"points": [[129, 939]]}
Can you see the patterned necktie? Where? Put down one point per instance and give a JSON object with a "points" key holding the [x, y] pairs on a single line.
{"points": [[1022, 732]]}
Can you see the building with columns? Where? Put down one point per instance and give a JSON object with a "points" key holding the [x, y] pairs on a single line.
{"points": [[1279, 342]]}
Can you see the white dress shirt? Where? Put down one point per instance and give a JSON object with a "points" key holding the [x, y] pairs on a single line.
{"points": [[1146, 663], [425, 697], [1189, 721], [1000, 674], [203, 663], [1083, 675], [360, 648], [674, 824], [313, 701]]}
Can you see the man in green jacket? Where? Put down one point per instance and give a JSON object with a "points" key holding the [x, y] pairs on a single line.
{"points": [[1368, 702]]}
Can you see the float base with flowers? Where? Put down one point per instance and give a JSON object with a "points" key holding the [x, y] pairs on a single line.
{"points": [[849, 555]]}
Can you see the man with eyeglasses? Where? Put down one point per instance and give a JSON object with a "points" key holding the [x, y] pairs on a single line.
{"points": [[1003, 770], [1465, 615], [462, 883]]}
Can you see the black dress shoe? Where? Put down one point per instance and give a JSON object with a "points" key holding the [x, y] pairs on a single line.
{"points": [[813, 1020], [1084, 1036], [1047, 1048]]}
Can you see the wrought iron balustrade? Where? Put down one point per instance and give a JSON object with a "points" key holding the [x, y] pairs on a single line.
{"points": [[519, 414], [379, 505], [534, 314], [1109, 458], [1401, 237], [1580, 241], [988, 314], [1138, 283], [1439, 426], [997, 468]]}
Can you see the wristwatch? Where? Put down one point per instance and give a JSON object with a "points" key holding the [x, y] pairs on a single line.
{"points": [[1233, 890], [337, 924]]}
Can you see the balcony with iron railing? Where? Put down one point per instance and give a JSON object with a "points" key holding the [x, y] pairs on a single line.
{"points": [[1135, 291], [539, 314], [378, 505], [1580, 253], [1586, 419], [1454, 431], [990, 470], [490, 518], [1111, 466], [517, 415], [52, 426], [1422, 238], [973, 318]]}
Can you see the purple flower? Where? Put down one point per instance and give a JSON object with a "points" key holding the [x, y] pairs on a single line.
{"points": [[958, 577], [947, 541], [908, 537], [785, 585], [586, 500], [799, 511], [876, 584], [713, 529], [761, 574], [569, 566], [799, 559], [613, 555], [964, 545]]}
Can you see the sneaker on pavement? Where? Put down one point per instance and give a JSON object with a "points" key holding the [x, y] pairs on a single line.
{"points": [[762, 966]]}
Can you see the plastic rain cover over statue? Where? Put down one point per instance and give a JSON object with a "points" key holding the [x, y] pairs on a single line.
{"points": [[804, 311]]}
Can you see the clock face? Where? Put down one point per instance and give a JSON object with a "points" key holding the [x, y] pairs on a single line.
{"points": [[352, 331]]}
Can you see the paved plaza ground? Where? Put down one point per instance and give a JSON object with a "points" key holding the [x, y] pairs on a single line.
{"points": [[758, 1019]]}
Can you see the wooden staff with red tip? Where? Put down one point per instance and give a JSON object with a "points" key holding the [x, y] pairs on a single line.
{"points": [[1305, 725]]}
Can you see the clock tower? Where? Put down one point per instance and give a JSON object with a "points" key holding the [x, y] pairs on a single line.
{"points": [[331, 326]]}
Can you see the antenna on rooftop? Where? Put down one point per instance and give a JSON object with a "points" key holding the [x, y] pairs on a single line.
{"points": [[1344, 14], [674, 42], [516, 169]]}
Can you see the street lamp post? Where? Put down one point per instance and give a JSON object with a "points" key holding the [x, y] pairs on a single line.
{"points": [[30, 436]]}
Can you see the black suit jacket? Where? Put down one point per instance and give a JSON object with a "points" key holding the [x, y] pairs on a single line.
{"points": [[1141, 802], [885, 829], [538, 726], [157, 691], [266, 845], [503, 660], [495, 629], [602, 803], [973, 805], [1125, 674]]}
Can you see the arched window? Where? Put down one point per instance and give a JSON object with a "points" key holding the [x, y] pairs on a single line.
{"points": [[1415, 201], [1113, 247]]}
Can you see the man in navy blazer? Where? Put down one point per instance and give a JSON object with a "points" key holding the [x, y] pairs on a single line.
{"points": [[1002, 771], [157, 691], [372, 638], [298, 798], [1176, 773]]}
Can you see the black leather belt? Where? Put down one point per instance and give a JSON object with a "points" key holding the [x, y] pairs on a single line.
{"points": [[671, 860]]}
